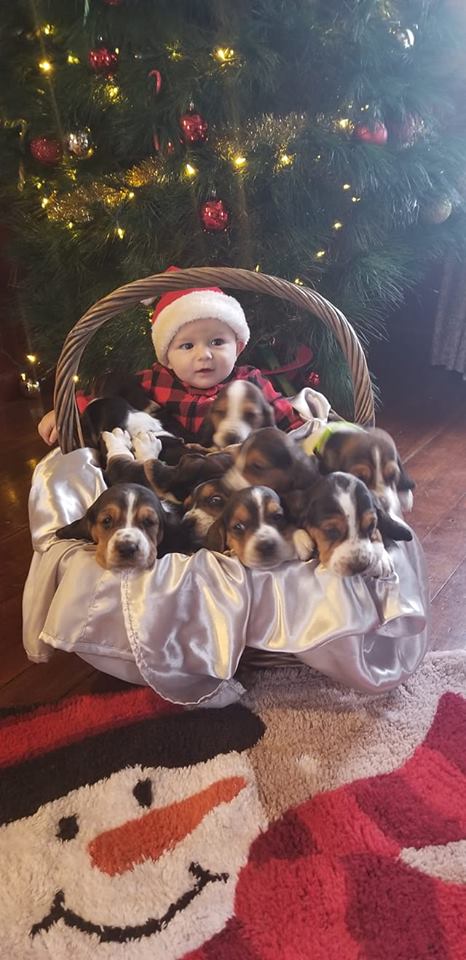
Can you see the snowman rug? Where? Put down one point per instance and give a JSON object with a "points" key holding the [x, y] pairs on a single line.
{"points": [[306, 822]]}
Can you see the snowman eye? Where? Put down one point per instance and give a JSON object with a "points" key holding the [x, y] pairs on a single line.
{"points": [[67, 828], [143, 793]]}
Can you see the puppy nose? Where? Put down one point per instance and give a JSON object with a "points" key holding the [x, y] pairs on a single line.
{"points": [[230, 437], [127, 548], [266, 548]]}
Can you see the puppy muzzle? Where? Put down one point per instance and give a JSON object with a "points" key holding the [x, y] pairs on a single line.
{"points": [[129, 547]]}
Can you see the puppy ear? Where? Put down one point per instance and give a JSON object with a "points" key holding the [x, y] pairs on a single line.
{"points": [[295, 503], [78, 530], [187, 504], [305, 470], [206, 433], [267, 415], [404, 481], [391, 528], [216, 536]]}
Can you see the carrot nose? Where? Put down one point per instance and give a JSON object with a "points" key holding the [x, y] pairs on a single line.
{"points": [[148, 837]]}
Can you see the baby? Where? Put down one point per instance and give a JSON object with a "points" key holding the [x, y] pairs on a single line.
{"points": [[198, 334]]}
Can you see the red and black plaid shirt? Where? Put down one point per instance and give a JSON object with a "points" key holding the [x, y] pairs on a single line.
{"points": [[189, 405]]}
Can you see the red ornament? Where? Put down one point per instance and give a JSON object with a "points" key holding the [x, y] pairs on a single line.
{"points": [[313, 379], [157, 80], [45, 150], [102, 60], [194, 127], [214, 216], [376, 134]]}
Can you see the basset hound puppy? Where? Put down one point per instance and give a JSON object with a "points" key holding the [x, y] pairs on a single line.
{"points": [[370, 455], [238, 409], [253, 526], [273, 459], [203, 506], [349, 531], [127, 524], [106, 414]]}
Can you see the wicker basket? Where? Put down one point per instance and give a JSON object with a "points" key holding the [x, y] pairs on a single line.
{"points": [[69, 430]]}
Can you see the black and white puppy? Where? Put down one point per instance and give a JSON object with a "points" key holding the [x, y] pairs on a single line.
{"points": [[254, 527], [127, 524], [341, 516]]}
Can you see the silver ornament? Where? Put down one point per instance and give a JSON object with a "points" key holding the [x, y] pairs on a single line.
{"points": [[438, 211], [78, 142]]}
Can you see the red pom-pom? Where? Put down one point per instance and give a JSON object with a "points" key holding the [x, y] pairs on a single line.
{"points": [[45, 150], [376, 134], [102, 60], [194, 127], [214, 216], [313, 379]]}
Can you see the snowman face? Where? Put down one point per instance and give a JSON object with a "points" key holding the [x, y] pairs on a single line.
{"points": [[160, 864]]}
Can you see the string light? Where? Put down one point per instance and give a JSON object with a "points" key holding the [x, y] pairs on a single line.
{"points": [[298, 282], [70, 224], [319, 254], [75, 378], [174, 51], [355, 199], [48, 29], [224, 54], [31, 357], [346, 186], [257, 268], [337, 225], [72, 59], [285, 160], [189, 170], [112, 92], [120, 232], [344, 123], [239, 161], [131, 195], [44, 202], [45, 66]]}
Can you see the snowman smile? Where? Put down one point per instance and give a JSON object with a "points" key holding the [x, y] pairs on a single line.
{"points": [[111, 934]]}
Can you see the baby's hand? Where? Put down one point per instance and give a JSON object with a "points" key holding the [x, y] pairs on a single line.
{"points": [[48, 429]]}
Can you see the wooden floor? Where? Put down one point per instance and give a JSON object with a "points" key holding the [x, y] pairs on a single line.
{"points": [[424, 409]]}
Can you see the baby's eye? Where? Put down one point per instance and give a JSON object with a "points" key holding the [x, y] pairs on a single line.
{"points": [[217, 342], [185, 346]]}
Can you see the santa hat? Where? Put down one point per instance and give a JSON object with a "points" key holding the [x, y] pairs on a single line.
{"points": [[178, 307]]}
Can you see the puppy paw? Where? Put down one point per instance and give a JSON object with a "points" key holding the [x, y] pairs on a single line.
{"points": [[117, 443], [381, 566], [303, 544], [147, 445]]}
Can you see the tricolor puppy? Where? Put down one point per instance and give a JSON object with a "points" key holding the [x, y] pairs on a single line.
{"points": [[174, 484], [254, 527], [371, 456], [341, 517], [109, 413], [127, 524], [203, 506], [271, 458], [239, 408]]}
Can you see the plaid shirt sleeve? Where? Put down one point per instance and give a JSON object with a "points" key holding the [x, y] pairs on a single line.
{"points": [[286, 417]]}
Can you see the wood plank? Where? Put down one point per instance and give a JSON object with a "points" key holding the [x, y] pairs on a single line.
{"points": [[448, 611], [445, 547], [44, 682]]}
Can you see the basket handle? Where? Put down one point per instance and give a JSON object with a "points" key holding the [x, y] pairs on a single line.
{"points": [[68, 426]]}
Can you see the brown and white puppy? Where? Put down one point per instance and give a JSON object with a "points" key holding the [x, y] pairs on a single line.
{"points": [[127, 524], [203, 506], [340, 515], [175, 484], [253, 525], [239, 408], [370, 455], [271, 458]]}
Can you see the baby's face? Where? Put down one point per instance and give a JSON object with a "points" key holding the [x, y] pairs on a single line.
{"points": [[203, 352]]}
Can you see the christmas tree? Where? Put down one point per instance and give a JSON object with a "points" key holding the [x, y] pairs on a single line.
{"points": [[314, 140]]}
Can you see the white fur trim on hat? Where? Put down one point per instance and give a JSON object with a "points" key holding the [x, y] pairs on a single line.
{"points": [[197, 305]]}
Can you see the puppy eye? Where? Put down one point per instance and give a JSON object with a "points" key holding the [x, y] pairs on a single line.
{"points": [[332, 534], [215, 501], [370, 529], [106, 522], [277, 519], [257, 467], [249, 416], [148, 522], [239, 527]]}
